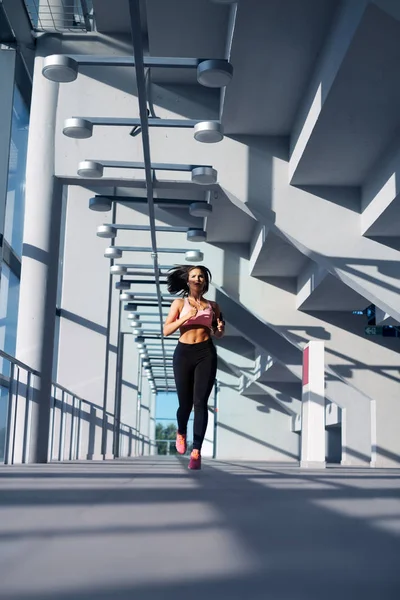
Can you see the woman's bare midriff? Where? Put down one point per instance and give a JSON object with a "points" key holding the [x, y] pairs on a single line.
{"points": [[195, 334]]}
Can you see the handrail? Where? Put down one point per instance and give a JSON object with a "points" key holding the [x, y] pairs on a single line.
{"points": [[74, 430], [17, 362], [24, 366]]}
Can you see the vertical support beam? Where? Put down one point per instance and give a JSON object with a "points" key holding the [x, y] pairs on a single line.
{"points": [[118, 387], [313, 407], [138, 407], [40, 257], [145, 415], [104, 435], [152, 424]]}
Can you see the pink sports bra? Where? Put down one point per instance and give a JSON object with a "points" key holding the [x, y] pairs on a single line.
{"points": [[203, 317]]}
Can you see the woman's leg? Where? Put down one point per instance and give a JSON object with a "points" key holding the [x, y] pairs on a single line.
{"points": [[184, 377], [204, 378]]}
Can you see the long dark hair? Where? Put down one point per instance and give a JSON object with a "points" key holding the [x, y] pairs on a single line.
{"points": [[177, 279]]}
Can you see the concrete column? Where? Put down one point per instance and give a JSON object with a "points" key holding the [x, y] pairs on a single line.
{"points": [[145, 416], [38, 290], [152, 424], [7, 70], [313, 407]]}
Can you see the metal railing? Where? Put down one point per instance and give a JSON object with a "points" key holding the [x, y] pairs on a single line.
{"points": [[76, 425], [60, 15]]}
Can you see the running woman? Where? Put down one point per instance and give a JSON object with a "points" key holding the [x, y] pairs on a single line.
{"points": [[195, 357]]}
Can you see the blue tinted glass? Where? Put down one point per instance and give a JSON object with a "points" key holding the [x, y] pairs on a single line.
{"points": [[3, 420], [9, 294], [14, 220]]}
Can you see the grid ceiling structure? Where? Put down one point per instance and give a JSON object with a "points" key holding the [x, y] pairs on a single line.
{"points": [[60, 15]]}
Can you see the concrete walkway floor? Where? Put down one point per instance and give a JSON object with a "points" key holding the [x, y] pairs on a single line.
{"points": [[150, 529]]}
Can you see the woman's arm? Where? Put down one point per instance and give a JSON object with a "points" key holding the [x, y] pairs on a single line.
{"points": [[219, 330], [172, 324]]}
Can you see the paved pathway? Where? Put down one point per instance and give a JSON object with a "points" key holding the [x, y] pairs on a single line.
{"points": [[150, 529]]}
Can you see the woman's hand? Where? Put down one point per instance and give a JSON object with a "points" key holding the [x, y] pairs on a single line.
{"points": [[191, 314], [220, 326]]}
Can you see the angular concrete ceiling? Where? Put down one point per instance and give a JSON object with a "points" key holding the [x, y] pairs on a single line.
{"points": [[275, 46], [361, 113]]}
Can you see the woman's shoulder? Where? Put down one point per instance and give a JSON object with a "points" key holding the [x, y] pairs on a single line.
{"points": [[178, 302], [214, 305]]}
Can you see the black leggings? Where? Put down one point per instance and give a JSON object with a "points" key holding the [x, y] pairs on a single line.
{"points": [[195, 367]]}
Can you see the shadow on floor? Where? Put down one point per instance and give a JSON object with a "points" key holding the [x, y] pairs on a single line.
{"points": [[233, 530]]}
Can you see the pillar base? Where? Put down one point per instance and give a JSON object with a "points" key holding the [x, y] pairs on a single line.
{"points": [[94, 457], [312, 464]]}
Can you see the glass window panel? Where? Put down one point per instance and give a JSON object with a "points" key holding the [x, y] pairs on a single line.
{"points": [[3, 419], [9, 295], [14, 220]]}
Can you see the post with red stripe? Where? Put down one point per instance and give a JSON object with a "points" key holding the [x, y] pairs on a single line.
{"points": [[313, 407]]}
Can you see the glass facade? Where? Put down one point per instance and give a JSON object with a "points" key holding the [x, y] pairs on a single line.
{"points": [[9, 293], [14, 220], [12, 249]]}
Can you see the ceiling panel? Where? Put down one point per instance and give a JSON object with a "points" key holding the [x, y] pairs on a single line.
{"points": [[275, 46]]}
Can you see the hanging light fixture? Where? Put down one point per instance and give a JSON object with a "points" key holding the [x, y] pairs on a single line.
{"points": [[123, 285], [194, 256], [130, 306], [60, 68], [90, 169], [196, 235], [200, 209], [134, 317], [204, 175], [100, 204], [118, 270], [106, 231], [78, 128], [139, 341], [126, 296], [135, 323], [208, 132], [112, 252], [214, 72]]}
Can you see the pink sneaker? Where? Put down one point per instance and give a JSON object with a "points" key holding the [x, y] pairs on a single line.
{"points": [[180, 443], [195, 462]]}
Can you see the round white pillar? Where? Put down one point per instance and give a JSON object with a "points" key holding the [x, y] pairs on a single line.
{"points": [[39, 273]]}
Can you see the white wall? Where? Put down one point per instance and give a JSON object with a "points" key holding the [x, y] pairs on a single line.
{"points": [[251, 428]]}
